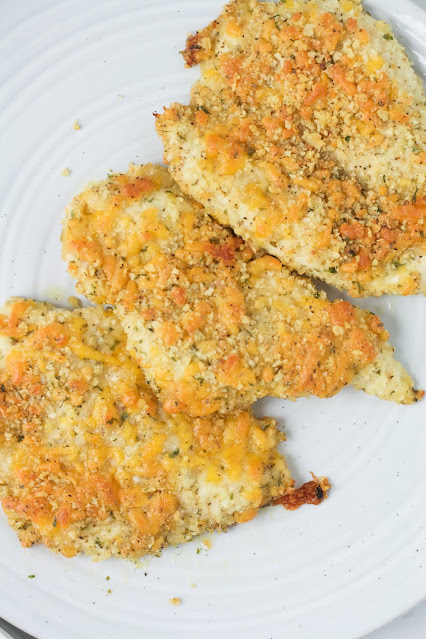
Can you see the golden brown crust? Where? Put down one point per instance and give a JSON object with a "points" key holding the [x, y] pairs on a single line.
{"points": [[214, 325], [197, 46], [324, 120], [88, 463], [312, 492]]}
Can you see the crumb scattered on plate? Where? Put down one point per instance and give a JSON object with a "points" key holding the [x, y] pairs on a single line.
{"points": [[74, 302]]}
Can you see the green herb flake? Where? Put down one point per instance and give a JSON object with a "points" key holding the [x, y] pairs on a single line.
{"points": [[388, 36], [20, 438], [3, 388], [31, 576], [231, 496], [174, 453], [124, 417], [347, 138], [416, 150], [415, 195], [203, 108], [198, 551], [98, 542], [360, 289], [332, 269], [55, 523], [72, 214], [108, 578]]}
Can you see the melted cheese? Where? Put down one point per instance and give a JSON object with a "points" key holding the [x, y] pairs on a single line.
{"points": [[214, 324], [88, 463]]}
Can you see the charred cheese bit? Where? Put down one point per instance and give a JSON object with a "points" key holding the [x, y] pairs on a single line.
{"points": [[214, 325], [317, 105], [89, 463]]}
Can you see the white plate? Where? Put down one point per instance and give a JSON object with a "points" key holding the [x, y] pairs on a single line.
{"points": [[336, 571]]}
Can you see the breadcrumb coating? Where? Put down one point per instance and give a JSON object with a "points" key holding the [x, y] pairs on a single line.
{"points": [[215, 325], [306, 134], [89, 463]]}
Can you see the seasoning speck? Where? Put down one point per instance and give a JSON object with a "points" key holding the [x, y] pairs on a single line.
{"points": [[65, 172], [175, 601]]}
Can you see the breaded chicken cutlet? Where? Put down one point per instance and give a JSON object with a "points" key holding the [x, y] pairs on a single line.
{"points": [[214, 325], [306, 135], [88, 463]]}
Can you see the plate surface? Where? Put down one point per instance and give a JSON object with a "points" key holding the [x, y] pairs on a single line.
{"points": [[336, 571]]}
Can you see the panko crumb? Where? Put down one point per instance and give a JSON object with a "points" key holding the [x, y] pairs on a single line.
{"points": [[65, 172], [214, 324], [76, 125], [90, 463], [175, 601], [74, 302], [306, 134]]}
